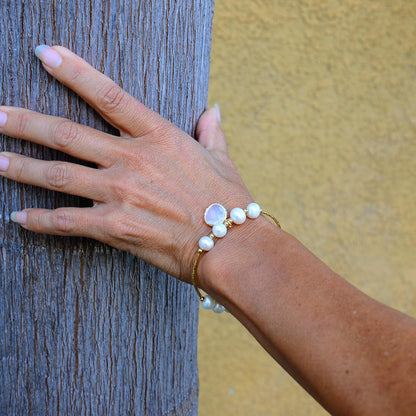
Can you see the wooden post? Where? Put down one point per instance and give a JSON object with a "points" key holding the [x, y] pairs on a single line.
{"points": [[86, 329]]}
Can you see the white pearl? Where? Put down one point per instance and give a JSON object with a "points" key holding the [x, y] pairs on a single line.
{"points": [[208, 303], [218, 308], [219, 230], [238, 215], [253, 210], [206, 243]]}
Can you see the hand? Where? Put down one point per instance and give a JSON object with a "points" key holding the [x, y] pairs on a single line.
{"points": [[152, 184]]}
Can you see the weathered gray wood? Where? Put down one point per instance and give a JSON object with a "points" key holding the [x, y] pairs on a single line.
{"points": [[86, 329]]}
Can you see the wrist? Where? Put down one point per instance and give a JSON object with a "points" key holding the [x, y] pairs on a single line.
{"points": [[236, 260]]}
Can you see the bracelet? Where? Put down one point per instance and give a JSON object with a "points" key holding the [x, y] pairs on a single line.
{"points": [[216, 216]]}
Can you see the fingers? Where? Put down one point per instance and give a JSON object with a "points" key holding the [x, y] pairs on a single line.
{"points": [[60, 134], [80, 222], [58, 176], [209, 133], [114, 104]]}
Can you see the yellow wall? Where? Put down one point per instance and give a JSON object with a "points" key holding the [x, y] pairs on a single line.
{"points": [[318, 102]]}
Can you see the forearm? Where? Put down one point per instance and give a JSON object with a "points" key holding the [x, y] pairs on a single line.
{"points": [[350, 352], [355, 355]]}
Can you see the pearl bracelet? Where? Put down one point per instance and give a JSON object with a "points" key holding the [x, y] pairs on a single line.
{"points": [[216, 217]]}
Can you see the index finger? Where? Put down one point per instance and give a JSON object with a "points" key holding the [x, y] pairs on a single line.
{"points": [[114, 104]]}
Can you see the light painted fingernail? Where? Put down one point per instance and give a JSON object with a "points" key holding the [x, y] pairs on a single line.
{"points": [[3, 118], [4, 163], [19, 217], [218, 112], [48, 56]]}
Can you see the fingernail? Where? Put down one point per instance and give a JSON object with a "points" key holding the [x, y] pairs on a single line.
{"points": [[3, 118], [218, 112], [48, 56], [4, 163], [19, 216]]}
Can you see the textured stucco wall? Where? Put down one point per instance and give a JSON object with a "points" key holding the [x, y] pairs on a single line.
{"points": [[318, 102]]}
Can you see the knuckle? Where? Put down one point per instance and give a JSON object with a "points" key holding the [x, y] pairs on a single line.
{"points": [[37, 222], [65, 133], [20, 166], [121, 189], [120, 227], [143, 158], [110, 226], [63, 222], [22, 121], [57, 175], [75, 75], [111, 98]]}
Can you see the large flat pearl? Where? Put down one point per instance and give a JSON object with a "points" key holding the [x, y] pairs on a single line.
{"points": [[253, 210], [238, 215], [215, 214], [206, 243]]}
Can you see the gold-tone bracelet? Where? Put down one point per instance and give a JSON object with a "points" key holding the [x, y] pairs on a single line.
{"points": [[216, 216]]}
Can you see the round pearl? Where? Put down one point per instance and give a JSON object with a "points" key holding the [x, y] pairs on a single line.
{"points": [[253, 210], [218, 308], [219, 230], [208, 303], [238, 215], [206, 243]]}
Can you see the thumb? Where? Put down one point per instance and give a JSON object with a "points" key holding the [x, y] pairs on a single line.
{"points": [[208, 131]]}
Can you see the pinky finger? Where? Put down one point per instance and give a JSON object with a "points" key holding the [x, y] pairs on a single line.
{"points": [[80, 222]]}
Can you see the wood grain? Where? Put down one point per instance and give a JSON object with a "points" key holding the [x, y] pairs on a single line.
{"points": [[86, 329]]}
